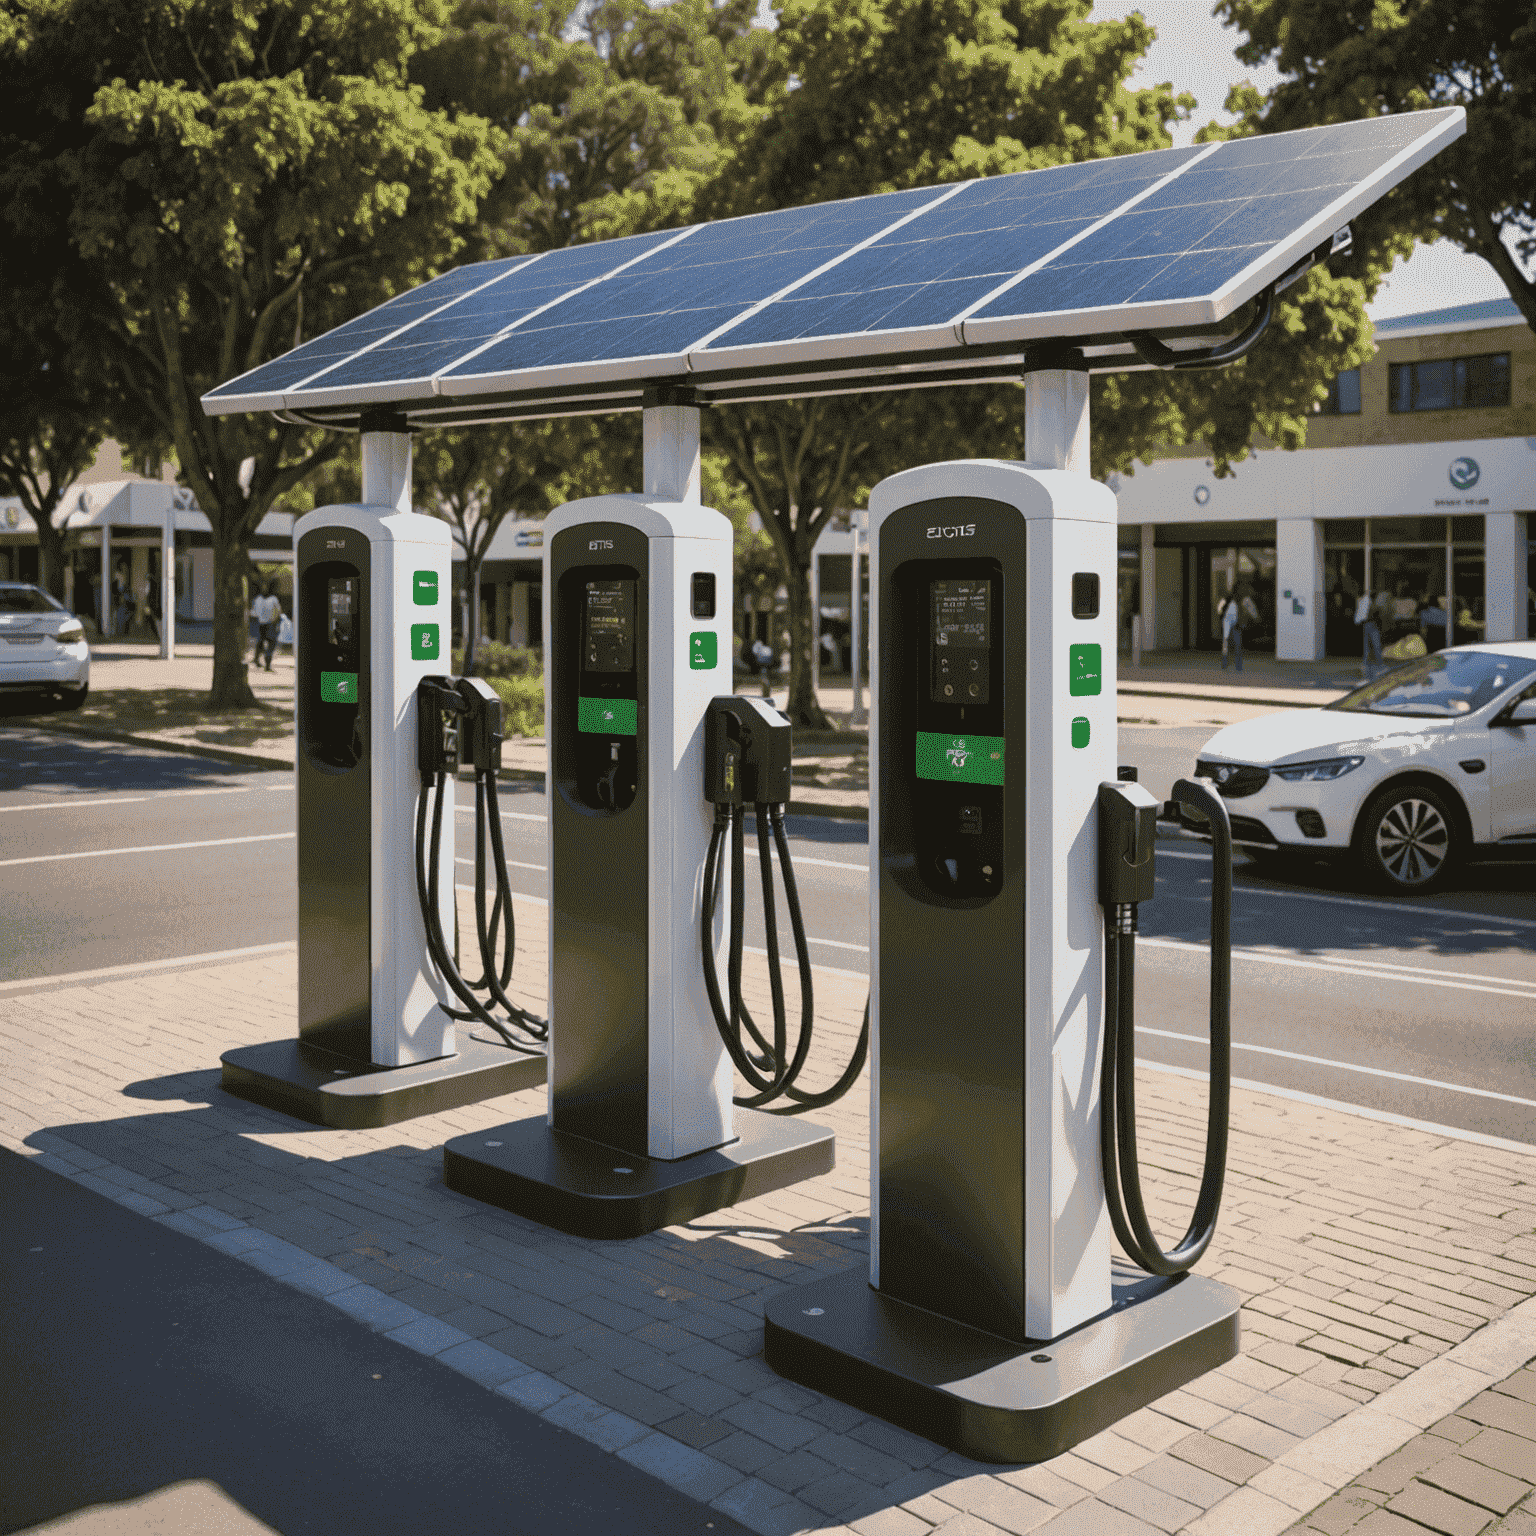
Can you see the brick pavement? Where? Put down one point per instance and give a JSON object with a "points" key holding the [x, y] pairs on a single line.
{"points": [[1387, 1273]]}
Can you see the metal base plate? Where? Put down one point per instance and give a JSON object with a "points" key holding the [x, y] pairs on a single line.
{"points": [[991, 1398], [326, 1089], [591, 1190]]}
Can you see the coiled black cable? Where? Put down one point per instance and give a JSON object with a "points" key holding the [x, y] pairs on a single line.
{"points": [[781, 1068], [1117, 1100], [428, 885]]}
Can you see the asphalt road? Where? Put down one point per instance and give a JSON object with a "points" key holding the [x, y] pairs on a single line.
{"points": [[1421, 1009]]}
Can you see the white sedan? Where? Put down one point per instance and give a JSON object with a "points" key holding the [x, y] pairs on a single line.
{"points": [[1407, 775], [42, 645]]}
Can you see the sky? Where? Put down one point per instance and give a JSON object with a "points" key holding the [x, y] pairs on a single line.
{"points": [[1194, 52]]}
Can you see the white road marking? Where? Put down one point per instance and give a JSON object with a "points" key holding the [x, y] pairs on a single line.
{"points": [[469, 810], [1361, 901], [1349, 1066], [66, 802], [1374, 970], [106, 853], [212, 957], [511, 864]]}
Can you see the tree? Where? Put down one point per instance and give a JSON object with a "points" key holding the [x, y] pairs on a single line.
{"points": [[874, 95], [240, 174], [475, 479], [1347, 59]]}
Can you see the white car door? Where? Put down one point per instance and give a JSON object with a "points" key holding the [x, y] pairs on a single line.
{"points": [[1512, 775]]}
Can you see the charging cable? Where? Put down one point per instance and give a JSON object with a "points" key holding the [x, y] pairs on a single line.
{"points": [[462, 721], [747, 760], [1127, 877]]}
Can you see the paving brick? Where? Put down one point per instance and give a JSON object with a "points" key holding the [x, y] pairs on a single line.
{"points": [[780, 1429], [694, 1429], [592, 1421], [1478, 1484], [765, 1509], [1219, 1457], [743, 1451], [1188, 1483], [795, 1471], [1398, 1469], [1251, 1435], [1439, 1511], [701, 1477], [481, 1363], [1497, 1411], [1153, 1505], [704, 1395], [841, 1493], [1343, 1512], [373, 1307], [618, 1392], [1503, 1452], [534, 1390], [1094, 1518]]}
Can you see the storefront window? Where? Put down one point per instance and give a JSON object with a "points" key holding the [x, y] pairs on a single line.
{"points": [[1343, 582], [1248, 574]]}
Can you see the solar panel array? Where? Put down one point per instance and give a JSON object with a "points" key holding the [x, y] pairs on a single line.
{"points": [[903, 287]]}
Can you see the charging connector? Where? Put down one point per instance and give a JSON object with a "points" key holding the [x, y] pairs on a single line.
{"points": [[482, 732], [438, 708], [747, 751], [1127, 845]]}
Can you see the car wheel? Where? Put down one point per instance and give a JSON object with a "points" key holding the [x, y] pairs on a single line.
{"points": [[73, 698], [1408, 840]]}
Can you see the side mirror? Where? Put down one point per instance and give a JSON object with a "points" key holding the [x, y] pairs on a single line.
{"points": [[1524, 713]]}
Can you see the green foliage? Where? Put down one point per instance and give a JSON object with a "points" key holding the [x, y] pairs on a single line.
{"points": [[524, 701], [238, 175], [1346, 59], [494, 658]]}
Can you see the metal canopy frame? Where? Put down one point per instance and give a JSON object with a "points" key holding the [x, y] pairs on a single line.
{"points": [[972, 347]]}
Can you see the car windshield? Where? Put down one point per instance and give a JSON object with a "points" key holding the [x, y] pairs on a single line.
{"points": [[21, 599], [1442, 686]]}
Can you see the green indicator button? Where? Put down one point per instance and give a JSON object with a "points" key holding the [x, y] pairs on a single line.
{"points": [[424, 588], [424, 643], [959, 759], [338, 687], [702, 650], [1080, 731], [607, 717], [1086, 670]]}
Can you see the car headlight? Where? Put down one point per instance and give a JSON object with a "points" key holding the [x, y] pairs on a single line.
{"points": [[1323, 768], [68, 633]]}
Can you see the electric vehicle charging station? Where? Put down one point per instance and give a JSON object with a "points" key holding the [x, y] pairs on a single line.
{"points": [[641, 1131], [377, 1043], [992, 1318], [1007, 858]]}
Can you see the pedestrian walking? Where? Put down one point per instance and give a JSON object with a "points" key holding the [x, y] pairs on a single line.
{"points": [[1238, 612], [1370, 635], [762, 659], [266, 610]]}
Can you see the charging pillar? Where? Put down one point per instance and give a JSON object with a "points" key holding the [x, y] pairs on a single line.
{"points": [[372, 616], [641, 1130], [992, 1319]]}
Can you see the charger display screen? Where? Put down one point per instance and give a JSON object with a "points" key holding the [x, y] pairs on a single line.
{"points": [[608, 630], [341, 611], [960, 632]]}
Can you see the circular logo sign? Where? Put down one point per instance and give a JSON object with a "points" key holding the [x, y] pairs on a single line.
{"points": [[1464, 473], [1202, 495]]}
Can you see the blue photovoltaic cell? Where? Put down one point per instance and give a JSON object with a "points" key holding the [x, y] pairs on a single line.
{"points": [[665, 305], [1192, 237], [444, 338], [294, 367], [928, 271]]}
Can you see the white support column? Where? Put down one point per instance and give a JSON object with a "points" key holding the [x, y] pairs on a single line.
{"points": [[1056, 419], [1148, 587], [387, 470], [857, 523], [1504, 579], [168, 583], [672, 452], [1299, 604]]}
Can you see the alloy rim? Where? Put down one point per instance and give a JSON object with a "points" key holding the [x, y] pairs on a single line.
{"points": [[1412, 841]]}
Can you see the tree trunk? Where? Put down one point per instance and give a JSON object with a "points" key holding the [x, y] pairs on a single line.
{"points": [[50, 552], [231, 623], [803, 707]]}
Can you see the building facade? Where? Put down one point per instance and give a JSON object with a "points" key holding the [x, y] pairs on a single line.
{"points": [[1418, 480]]}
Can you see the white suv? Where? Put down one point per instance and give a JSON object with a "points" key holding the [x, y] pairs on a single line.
{"points": [[1409, 773], [42, 646]]}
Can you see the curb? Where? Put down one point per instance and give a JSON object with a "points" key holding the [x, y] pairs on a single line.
{"points": [[1136, 691], [187, 749]]}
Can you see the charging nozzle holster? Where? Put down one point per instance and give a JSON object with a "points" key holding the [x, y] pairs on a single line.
{"points": [[747, 748], [1127, 845], [458, 720]]}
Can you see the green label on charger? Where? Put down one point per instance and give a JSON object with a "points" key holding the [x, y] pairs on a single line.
{"points": [[959, 759], [424, 588], [338, 687], [607, 717], [1085, 673], [1080, 731], [703, 650], [424, 646]]}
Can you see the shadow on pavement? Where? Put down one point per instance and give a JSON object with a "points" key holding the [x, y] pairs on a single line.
{"points": [[54, 763], [133, 1357]]}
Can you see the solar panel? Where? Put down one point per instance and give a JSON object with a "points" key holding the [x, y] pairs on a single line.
{"points": [[912, 286]]}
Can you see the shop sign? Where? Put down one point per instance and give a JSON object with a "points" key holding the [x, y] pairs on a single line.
{"points": [[1463, 474]]}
